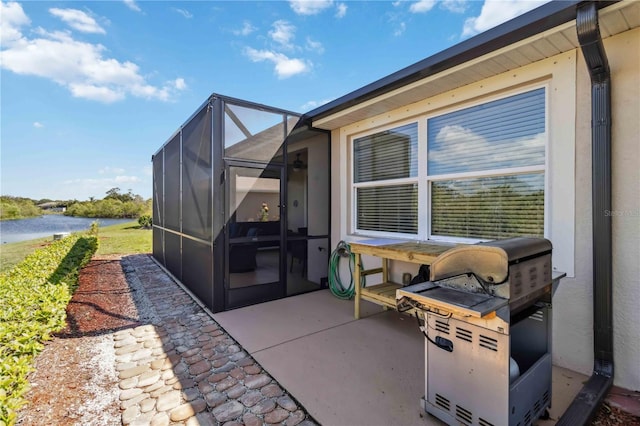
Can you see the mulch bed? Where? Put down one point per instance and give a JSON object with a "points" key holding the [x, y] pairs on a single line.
{"points": [[74, 382], [102, 303]]}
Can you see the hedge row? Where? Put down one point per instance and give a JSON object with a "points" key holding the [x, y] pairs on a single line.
{"points": [[34, 296]]}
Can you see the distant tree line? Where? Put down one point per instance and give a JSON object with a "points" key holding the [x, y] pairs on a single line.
{"points": [[114, 205], [18, 208]]}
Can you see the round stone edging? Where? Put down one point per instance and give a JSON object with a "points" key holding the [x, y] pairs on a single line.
{"points": [[184, 367]]}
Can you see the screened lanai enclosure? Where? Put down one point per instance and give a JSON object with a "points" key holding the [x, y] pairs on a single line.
{"points": [[241, 204]]}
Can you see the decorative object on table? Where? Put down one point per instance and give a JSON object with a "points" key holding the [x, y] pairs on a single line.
{"points": [[264, 213]]}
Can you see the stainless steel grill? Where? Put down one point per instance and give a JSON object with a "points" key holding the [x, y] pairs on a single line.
{"points": [[486, 317]]}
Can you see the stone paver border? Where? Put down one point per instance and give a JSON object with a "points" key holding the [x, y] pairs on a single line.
{"points": [[182, 368]]}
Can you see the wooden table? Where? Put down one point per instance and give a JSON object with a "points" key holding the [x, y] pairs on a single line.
{"points": [[385, 293]]}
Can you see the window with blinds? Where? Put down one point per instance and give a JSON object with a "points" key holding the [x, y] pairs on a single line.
{"points": [[489, 207], [385, 180], [481, 176], [486, 169]]}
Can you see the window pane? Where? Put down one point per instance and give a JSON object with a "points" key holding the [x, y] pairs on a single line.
{"points": [[505, 133], [489, 208], [388, 208], [392, 154]]}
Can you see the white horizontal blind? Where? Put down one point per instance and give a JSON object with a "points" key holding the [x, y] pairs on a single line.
{"points": [[388, 208], [487, 141], [385, 180], [505, 133], [392, 154], [489, 207]]}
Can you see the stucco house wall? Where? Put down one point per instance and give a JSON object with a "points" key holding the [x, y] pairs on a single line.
{"points": [[573, 316], [568, 191]]}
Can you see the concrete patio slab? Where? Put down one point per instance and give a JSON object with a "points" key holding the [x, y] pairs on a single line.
{"points": [[366, 372], [346, 371], [269, 324]]}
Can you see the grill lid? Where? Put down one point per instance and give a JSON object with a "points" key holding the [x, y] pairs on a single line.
{"points": [[488, 261]]}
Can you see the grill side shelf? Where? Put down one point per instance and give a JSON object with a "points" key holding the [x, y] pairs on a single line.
{"points": [[434, 297]]}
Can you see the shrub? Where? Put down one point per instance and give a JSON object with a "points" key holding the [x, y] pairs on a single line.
{"points": [[145, 221], [93, 229], [17, 208], [114, 205], [34, 295]]}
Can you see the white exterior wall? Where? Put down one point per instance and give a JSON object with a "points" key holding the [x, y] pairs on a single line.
{"points": [[573, 319], [568, 193]]}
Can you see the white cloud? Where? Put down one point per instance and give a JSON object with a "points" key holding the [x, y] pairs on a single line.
{"points": [[79, 66], [285, 67], [309, 7], [341, 10], [282, 33], [246, 29], [314, 46], [183, 12], [38, 125], [78, 20], [127, 179], [91, 187], [455, 6], [422, 6], [400, 29], [180, 84], [13, 18], [308, 106], [95, 93], [495, 12], [111, 171], [147, 170], [131, 4]]}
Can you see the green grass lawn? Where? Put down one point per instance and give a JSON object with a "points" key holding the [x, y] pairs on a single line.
{"points": [[13, 253], [124, 238]]}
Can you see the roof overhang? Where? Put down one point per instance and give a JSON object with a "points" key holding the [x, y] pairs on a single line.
{"points": [[539, 34]]}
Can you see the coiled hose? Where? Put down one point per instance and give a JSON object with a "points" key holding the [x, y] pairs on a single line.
{"points": [[336, 286]]}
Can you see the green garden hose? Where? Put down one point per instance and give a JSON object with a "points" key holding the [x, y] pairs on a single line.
{"points": [[335, 283]]}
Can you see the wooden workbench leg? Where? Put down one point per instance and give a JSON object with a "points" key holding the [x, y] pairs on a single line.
{"points": [[385, 270], [356, 283], [385, 276]]}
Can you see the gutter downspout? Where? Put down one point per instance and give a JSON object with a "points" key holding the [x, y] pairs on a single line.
{"points": [[584, 406]]}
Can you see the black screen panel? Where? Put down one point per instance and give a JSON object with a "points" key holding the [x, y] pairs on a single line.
{"points": [[197, 173], [172, 184], [158, 189], [172, 254], [197, 259], [158, 246]]}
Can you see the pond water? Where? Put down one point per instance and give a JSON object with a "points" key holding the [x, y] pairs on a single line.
{"points": [[12, 231]]}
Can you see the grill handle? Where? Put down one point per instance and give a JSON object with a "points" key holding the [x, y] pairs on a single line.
{"points": [[440, 342]]}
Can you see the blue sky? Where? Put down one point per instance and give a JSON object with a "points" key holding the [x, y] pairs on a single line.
{"points": [[90, 90]]}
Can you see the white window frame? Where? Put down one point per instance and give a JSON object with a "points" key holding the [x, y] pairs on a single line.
{"points": [[492, 172], [380, 183], [423, 180]]}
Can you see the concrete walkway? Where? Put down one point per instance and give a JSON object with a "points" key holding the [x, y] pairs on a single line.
{"points": [[183, 369]]}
